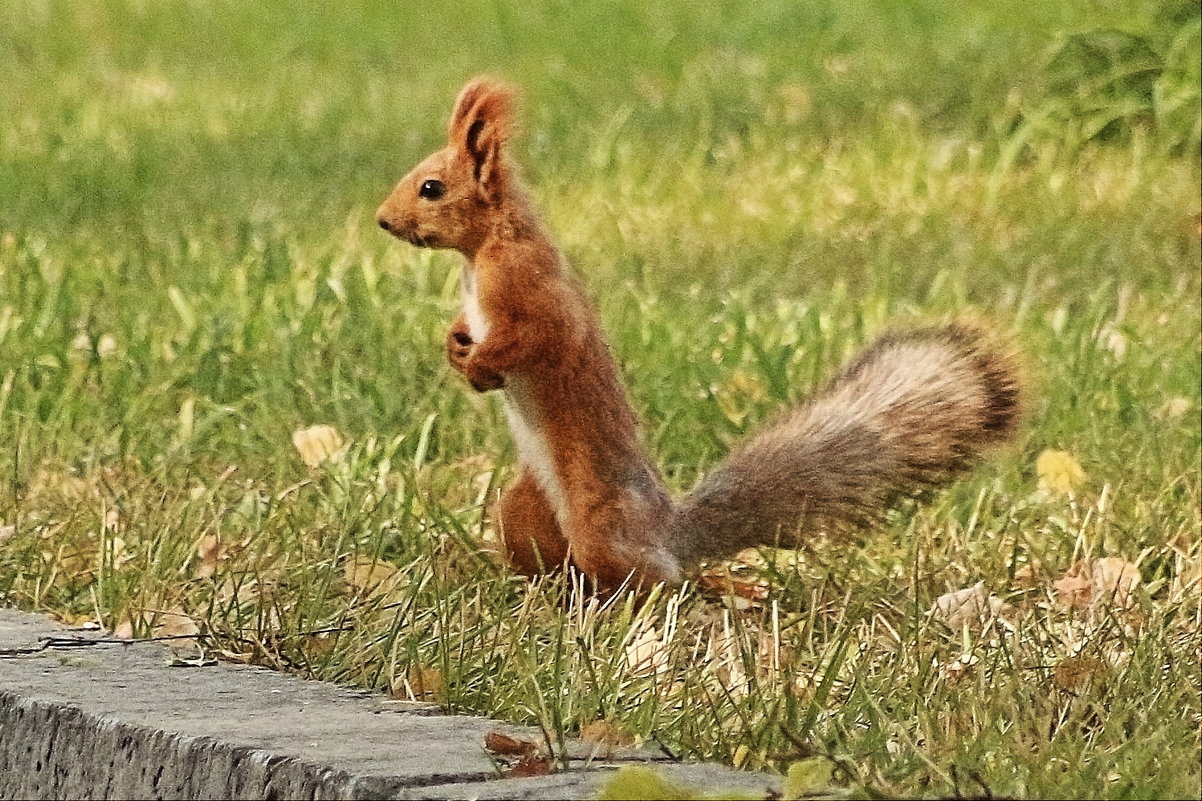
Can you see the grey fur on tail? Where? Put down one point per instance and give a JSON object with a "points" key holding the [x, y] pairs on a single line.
{"points": [[910, 413]]}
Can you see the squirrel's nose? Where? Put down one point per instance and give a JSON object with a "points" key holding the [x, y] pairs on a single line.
{"points": [[384, 224]]}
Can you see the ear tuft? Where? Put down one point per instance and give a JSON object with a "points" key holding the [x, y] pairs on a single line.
{"points": [[482, 103]]}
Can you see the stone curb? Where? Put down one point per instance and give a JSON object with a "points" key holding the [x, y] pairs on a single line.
{"points": [[115, 720]]}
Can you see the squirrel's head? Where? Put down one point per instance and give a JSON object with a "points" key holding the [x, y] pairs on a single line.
{"points": [[450, 199]]}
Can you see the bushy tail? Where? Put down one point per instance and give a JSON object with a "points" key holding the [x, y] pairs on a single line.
{"points": [[910, 413]]}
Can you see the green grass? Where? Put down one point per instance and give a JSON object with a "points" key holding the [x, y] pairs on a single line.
{"points": [[190, 271]]}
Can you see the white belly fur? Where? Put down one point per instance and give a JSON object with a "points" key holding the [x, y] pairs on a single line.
{"points": [[477, 323], [533, 449]]}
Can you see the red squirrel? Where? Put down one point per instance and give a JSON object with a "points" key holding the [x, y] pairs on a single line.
{"points": [[911, 412]]}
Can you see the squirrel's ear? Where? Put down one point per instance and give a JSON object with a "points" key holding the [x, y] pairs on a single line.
{"points": [[480, 125]]}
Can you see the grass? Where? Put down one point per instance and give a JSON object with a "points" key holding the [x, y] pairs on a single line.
{"points": [[189, 272]]}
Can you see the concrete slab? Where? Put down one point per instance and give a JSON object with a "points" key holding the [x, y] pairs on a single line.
{"points": [[114, 720]]}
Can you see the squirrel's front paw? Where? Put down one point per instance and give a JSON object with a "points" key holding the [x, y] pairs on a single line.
{"points": [[460, 350]]}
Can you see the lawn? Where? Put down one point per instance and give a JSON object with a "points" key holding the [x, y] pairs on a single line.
{"points": [[190, 273]]}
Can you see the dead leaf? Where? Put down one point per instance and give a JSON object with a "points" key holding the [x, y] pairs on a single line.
{"points": [[1059, 473], [1029, 575], [1186, 584], [318, 444], [531, 765], [1174, 408], [603, 732], [959, 667], [369, 575], [6, 533], [501, 744], [176, 623], [124, 630], [736, 593], [419, 683], [1114, 582], [1114, 341], [1074, 590], [210, 551], [1109, 582], [646, 653], [973, 607], [1075, 672]]}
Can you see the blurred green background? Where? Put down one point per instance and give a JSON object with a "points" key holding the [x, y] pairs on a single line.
{"points": [[190, 272]]}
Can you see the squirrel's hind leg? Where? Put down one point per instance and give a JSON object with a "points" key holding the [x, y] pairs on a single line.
{"points": [[533, 541]]}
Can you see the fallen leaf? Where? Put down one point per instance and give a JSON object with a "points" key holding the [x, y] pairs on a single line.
{"points": [[318, 444], [1174, 407], [124, 630], [531, 765], [1028, 576], [1114, 341], [736, 593], [1059, 473], [370, 575], [973, 607], [6, 533], [1186, 584], [197, 661], [1109, 582], [639, 782], [210, 552], [635, 782], [1076, 671], [175, 622], [603, 732], [1074, 590], [808, 777], [501, 744], [960, 667], [646, 654], [419, 683], [1114, 582]]}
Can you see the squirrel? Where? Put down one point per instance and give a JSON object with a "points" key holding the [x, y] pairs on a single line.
{"points": [[911, 412]]}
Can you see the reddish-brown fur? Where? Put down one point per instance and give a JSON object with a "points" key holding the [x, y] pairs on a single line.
{"points": [[909, 414]]}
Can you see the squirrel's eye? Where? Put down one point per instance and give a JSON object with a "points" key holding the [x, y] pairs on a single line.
{"points": [[432, 189]]}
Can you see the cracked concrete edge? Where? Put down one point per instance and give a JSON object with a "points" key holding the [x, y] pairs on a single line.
{"points": [[54, 750], [114, 721]]}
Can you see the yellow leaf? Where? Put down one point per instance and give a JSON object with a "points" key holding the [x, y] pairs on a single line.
{"points": [[366, 574], [808, 776], [639, 782], [420, 683], [318, 444], [1059, 473], [602, 732], [635, 782]]}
